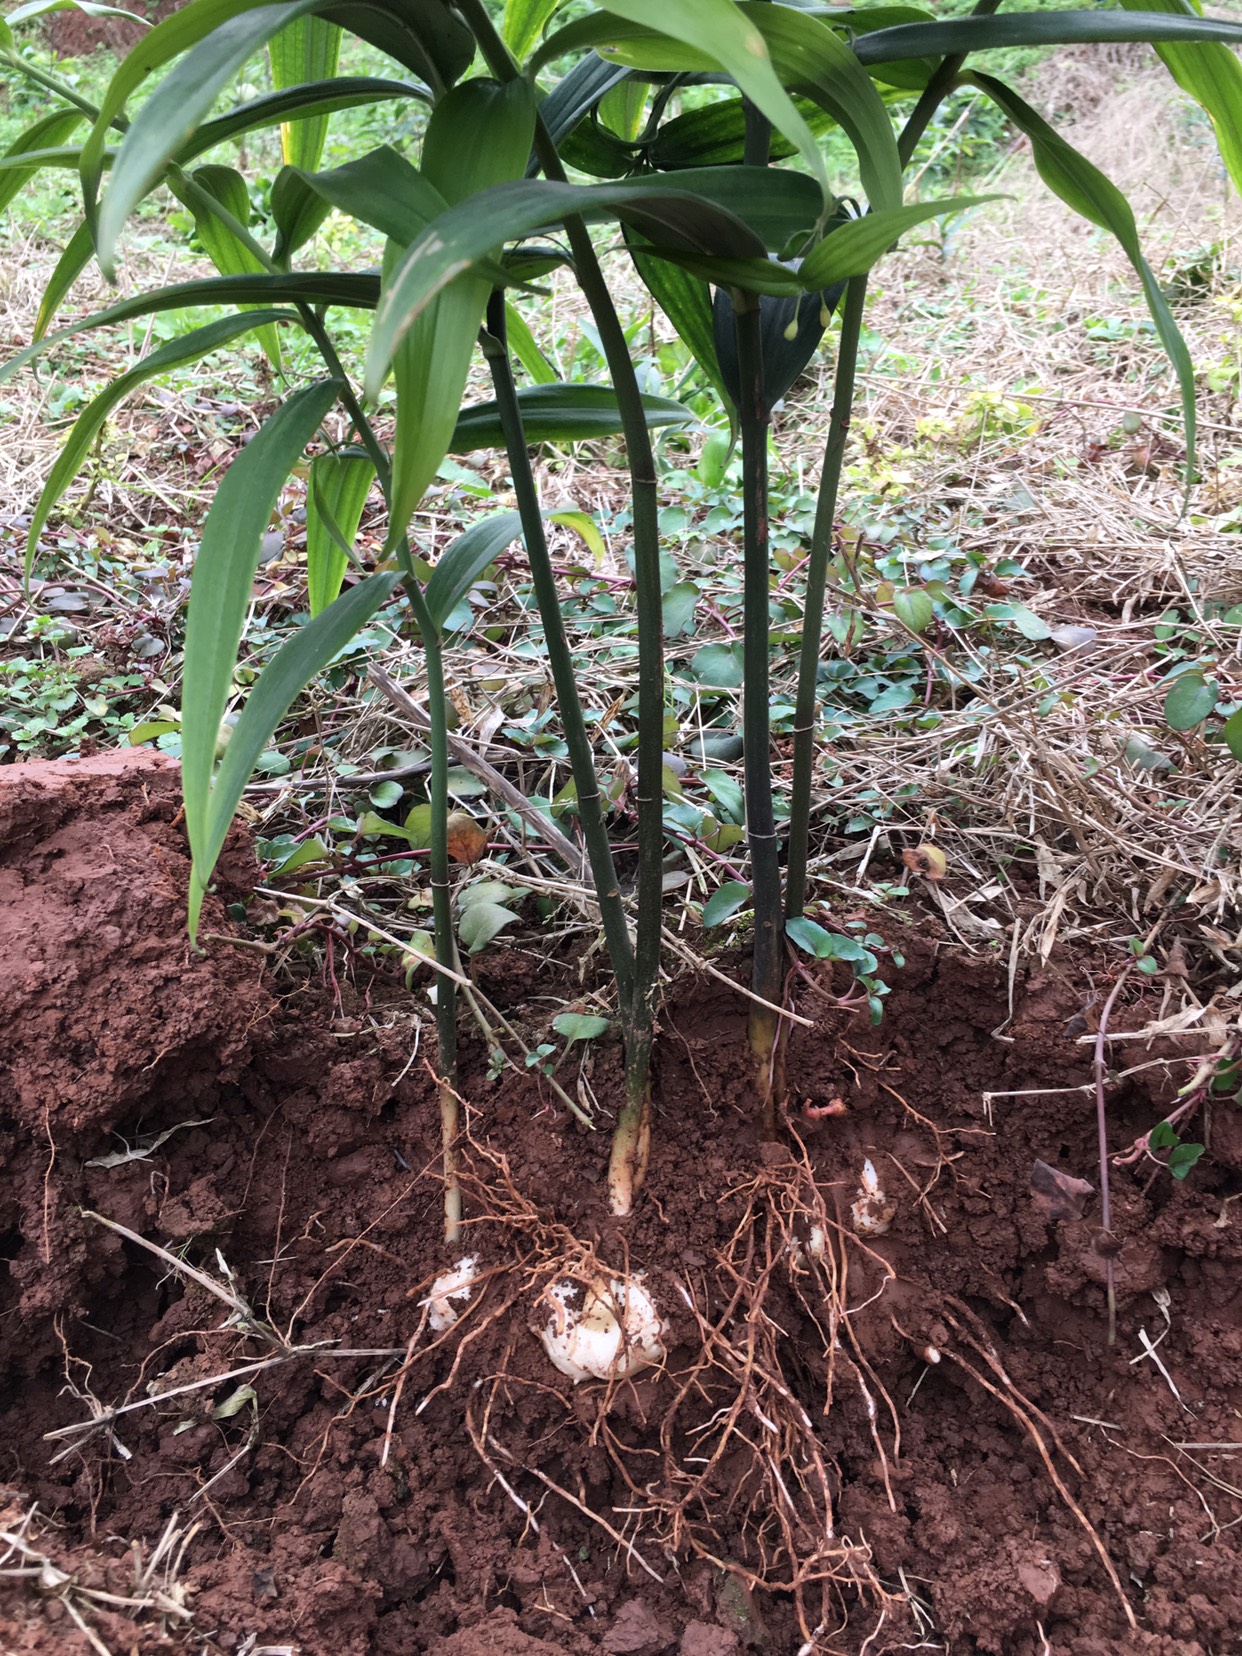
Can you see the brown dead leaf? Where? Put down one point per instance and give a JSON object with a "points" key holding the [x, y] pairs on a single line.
{"points": [[1058, 1195], [927, 860], [467, 839]]}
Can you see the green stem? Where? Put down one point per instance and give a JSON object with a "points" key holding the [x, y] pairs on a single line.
{"points": [[631, 1140], [767, 971], [53, 83], [816, 586], [564, 677]]}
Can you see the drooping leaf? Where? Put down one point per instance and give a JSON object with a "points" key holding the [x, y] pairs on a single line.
{"points": [[359, 291], [176, 354], [77, 253], [335, 496], [1082, 186], [304, 52], [1211, 74], [560, 413], [694, 215], [293, 666], [687, 302], [383, 190], [460, 566], [725, 902], [224, 571], [296, 104], [1050, 27]]}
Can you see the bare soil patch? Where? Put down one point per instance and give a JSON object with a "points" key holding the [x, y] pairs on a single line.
{"points": [[913, 1439]]}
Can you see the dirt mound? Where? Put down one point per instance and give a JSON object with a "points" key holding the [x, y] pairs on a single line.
{"points": [[912, 1436]]}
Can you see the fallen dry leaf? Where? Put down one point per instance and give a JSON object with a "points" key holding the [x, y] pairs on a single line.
{"points": [[927, 860], [1058, 1195], [467, 840]]}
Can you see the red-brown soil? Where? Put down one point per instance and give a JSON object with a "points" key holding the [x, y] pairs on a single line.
{"points": [[798, 1476]]}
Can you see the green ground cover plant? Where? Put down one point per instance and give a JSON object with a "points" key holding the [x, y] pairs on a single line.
{"points": [[710, 137]]}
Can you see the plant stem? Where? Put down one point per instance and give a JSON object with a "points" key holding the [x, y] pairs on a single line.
{"points": [[632, 1138], [767, 971], [816, 585], [935, 92], [564, 678], [53, 83]]}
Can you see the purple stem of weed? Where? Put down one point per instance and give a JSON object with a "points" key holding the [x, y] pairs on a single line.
{"points": [[1101, 1117]]}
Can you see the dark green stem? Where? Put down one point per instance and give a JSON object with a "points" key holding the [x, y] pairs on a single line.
{"points": [[564, 677], [53, 83], [935, 92], [632, 1136], [767, 973], [816, 585]]}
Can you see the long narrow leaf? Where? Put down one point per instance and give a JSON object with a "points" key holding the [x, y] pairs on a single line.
{"points": [[1082, 186], [1041, 28], [335, 496], [560, 413], [176, 354], [298, 103], [523, 23], [525, 348], [224, 572], [75, 256], [356, 291], [687, 302], [383, 190], [696, 217], [464, 561], [220, 204], [304, 52], [290, 670], [1212, 75], [855, 247]]}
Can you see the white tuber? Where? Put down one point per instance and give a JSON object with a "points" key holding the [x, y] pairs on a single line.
{"points": [[872, 1210], [457, 1284], [604, 1329]]}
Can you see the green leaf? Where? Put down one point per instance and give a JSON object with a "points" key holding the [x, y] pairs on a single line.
{"points": [[709, 211], [687, 302], [1084, 187], [913, 607], [293, 666], [78, 252], [479, 922], [725, 791], [220, 204], [1183, 1158], [1233, 734], [679, 607], [224, 572], [187, 348], [725, 902], [736, 45], [359, 292], [1189, 701], [335, 496], [559, 413], [1041, 28], [826, 945], [1162, 1137], [523, 23], [580, 1026], [305, 51], [1025, 620], [298, 210], [431, 363], [56, 128], [525, 348], [719, 665], [296, 104], [856, 246], [809, 58], [171, 114], [460, 566], [383, 190]]}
